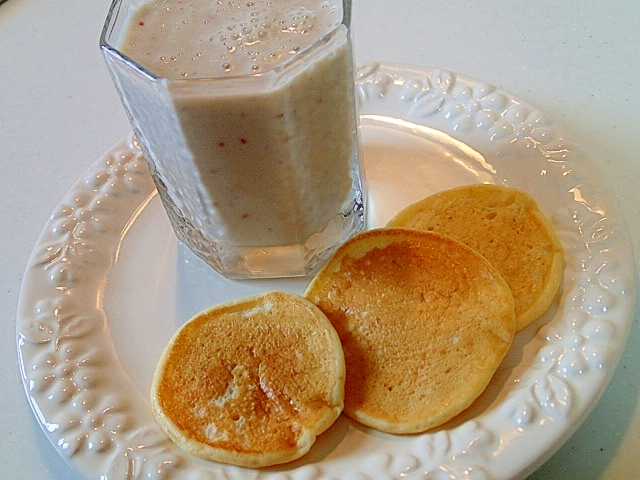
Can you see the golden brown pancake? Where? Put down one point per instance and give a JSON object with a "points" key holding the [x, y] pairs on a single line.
{"points": [[252, 382], [507, 227], [424, 321]]}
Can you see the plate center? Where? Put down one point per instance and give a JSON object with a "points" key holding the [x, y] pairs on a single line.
{"points": [[406, 162]]}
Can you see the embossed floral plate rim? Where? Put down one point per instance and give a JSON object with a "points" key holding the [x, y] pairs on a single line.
{"points": [[93, 414]]}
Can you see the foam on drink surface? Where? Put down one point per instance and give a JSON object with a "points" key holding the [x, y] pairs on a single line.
{"points": [[206, 39]]}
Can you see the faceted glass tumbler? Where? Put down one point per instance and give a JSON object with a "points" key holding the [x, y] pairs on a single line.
{"points": [[260, 173]]}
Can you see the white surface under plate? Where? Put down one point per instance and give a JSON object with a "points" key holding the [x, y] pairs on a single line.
{"points": [[107, 285]]}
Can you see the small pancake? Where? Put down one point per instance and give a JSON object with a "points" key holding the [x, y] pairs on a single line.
{"points": [[251, 382], [506, 226], [424, 322]]}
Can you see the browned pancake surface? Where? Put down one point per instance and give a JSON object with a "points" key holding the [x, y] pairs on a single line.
{"points": [[251, 382], [424, 323]]}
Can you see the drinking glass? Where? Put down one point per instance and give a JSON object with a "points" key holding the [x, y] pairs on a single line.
{"points": [[259, 172]]}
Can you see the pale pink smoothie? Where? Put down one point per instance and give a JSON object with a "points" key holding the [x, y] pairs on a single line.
{"points": [[268, 166]]}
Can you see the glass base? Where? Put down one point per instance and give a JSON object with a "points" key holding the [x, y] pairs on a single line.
{"points": [[267, 262], [274, 261]]}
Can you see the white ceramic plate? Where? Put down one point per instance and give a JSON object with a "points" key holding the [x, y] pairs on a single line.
{"points": [[107, 285]]}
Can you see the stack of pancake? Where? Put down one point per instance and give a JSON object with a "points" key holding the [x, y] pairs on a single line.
{"points": [[403, 328]]}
